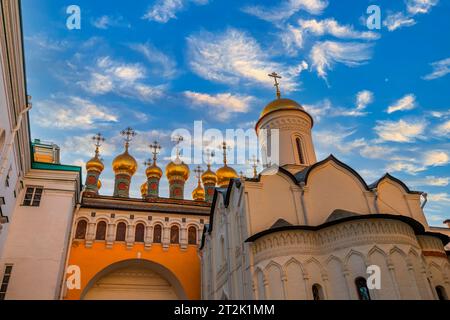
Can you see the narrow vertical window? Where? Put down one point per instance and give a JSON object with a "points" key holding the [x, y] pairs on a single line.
{"points": [[5, 281], [80, 233], [442, 295], [157, 234], [139, 233], [363, 290], [101, 231], [174, 235], [301, 158], [317, 292], [121, 231], [192, 235]]}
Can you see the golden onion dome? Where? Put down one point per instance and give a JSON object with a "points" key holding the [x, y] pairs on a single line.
{"points": [[281, 104], [154, 171], [95, 164], [209, 177], [144, 189], [199, 193], [99, 184], [224, 175], [125, 163], [177, 168]]}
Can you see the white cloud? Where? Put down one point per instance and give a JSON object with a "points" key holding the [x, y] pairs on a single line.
{"points": [[164, 10], [324, 55], [42, 41], [420, 6], [73, 113], [440, 68], [105, 22], [286, 9], [432, 181], [234, 57], [399, 131], [443, 129], [162, 65], [399, 166], [124, 79], [363, 99], [398, 20], [439, 197], [222, 105], [436, 158], [408, 102], [325, 107], [373, 151], [82, 145]]}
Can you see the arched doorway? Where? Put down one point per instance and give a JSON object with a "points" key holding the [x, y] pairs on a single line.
{"points": [[134, 280]]}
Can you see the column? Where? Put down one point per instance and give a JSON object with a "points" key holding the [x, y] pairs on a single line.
{"points": [[110, 235]]}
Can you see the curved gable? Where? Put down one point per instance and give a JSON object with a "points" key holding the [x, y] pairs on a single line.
{"points": [[332, 185]]}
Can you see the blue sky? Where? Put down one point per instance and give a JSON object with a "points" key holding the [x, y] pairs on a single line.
{"points": [[380, 98]]}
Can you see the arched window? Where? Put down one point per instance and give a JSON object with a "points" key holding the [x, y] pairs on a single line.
{"points": [[192, 235], [317, 292], [174, 235], [139, 233], [80, 233], [363, 290], [442, 295], [121, 231], [101, 231], [157, 234], [301, 157]]}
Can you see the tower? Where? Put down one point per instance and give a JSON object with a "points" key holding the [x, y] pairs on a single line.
{"points": [[94, 168], [226, 173], [124, 166], [284, 131], [199, 193], [153, 172], [177, 173], [209, 179]]}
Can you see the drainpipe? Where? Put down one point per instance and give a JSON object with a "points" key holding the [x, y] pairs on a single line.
{"points": [[302, 199], [425, 197], [8, 146], [375, 192], [69, 246]]}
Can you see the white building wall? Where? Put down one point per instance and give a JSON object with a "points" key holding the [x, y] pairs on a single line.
{"points": [[14, 134], [38, 236]]}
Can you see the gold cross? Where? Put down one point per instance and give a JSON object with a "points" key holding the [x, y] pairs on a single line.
{"points": [[129, 134], [225, 148], [275, 76], [156, 149], [178, 139], [209, 155], [255, 166], [98, 139]]}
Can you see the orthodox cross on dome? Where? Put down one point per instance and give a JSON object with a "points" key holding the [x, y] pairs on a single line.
{"points": [[178, 139], [198, 173], [156, 149], [98, 140], [225, 148], [275, 77], [255, 166], [209, 155], [128, 135]]}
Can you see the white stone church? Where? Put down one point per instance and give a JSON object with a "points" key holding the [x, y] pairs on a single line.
{"points": [[310, 230]]}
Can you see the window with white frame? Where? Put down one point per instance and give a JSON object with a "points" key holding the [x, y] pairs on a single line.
{"points": [[33, 196]]}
